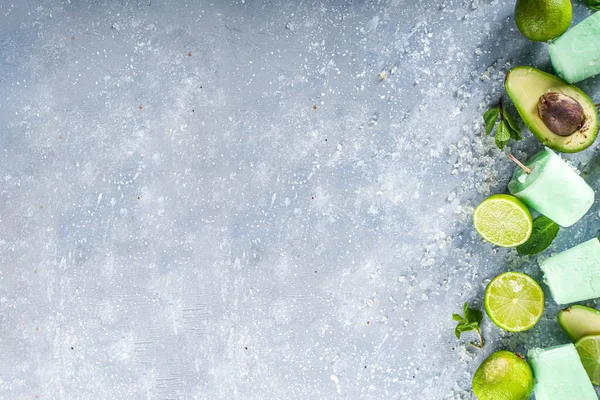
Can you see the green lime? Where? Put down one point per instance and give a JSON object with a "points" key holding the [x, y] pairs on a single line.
{"points": [[503, 375], [503, 220], [514, 301], [588, 348], [543, 20]]}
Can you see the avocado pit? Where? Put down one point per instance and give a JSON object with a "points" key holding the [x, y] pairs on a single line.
{"points": [[562, 114]]}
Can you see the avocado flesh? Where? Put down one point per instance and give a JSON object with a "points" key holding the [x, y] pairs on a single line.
{"points": [[525, 86], [579, 321]]}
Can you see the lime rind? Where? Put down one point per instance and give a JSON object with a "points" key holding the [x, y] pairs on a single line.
{"points": [[514, 301], [503, 220]]}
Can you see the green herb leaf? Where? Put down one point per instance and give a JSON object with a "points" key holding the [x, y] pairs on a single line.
{"points": [[514, 135], [464, 327], [544, 232], [458, 318], [470, 322], [474, 316], [472, 326], [490, 117], [513, 128], [502, 135], [593, 4], [460, 328]]}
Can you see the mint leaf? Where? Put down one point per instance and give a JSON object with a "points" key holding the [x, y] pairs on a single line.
{"points": [[513, 128], [472, 326], [514, 135], [460, 328], [474, 316], [502, 135], [458, 318], [544, 232], [490, 117], [464, 328], [593, 4], [470, 322]]}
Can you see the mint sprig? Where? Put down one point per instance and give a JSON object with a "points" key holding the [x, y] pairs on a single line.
{"points": [[542, 236], [506, 130], [469, 322]]}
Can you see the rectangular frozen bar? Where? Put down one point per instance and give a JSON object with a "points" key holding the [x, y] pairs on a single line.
{"points": [[552, 188], [575, 55], [559, 374], [574, 274]]}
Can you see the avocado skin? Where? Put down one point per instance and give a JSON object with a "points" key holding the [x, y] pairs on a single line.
{"points": [[525, 85], [578, 321]]}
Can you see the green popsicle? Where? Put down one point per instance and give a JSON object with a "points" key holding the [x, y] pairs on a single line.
{"points": [[574, 274], [575, 55], [559, 374], [552, 188]]}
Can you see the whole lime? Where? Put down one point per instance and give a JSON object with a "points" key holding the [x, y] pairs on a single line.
{"points": [[503, 376], [543, 20]]}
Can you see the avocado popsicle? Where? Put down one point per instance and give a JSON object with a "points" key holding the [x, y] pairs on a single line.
{"points": [[552, 188], [574, 274], [575, 55], [559, 374]]}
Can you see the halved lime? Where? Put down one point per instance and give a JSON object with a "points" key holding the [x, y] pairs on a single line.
{"points": [[503, 220], [588, 348], [514, 301]]}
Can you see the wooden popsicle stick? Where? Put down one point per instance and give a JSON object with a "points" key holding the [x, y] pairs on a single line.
{"points": [[519, 163]]}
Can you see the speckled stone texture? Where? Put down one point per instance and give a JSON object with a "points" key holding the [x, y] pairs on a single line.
{"points": [[253, 200]]}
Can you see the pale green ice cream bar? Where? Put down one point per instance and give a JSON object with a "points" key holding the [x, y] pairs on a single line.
{"points": [[575, 55], [553, 188], [559, 374], [574, 274]]}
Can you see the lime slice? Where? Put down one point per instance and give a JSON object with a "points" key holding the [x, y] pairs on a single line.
{"points": [[588, 348], [514, 301], [503, 220]]}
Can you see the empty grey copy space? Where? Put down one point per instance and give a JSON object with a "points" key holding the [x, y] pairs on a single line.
{"points": [[253, 199]]}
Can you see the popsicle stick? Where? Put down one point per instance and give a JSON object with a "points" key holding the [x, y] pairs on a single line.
{"points": [[519, 163]]}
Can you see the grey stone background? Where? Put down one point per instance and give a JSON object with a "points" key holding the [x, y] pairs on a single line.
{"points": [[223, 200]]}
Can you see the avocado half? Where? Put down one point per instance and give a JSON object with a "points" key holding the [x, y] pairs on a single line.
{"points": [[578, 321], [525, 86]]}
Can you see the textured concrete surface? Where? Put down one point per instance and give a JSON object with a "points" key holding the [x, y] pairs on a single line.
{"points": [[224, 200]]}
